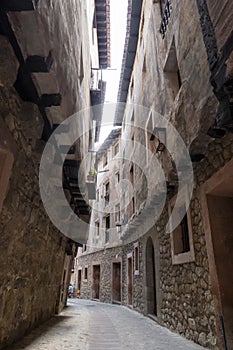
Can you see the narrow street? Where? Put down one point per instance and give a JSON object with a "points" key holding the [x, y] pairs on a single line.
{"points": [[88, 325], [116, 174]]}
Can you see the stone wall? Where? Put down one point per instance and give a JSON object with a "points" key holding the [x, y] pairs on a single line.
{"points": [[104, 258], [186, 302], [32, 251]]}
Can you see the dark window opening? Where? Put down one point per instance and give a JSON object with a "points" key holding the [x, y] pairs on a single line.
{"points": [[179, 77], [105, 159], [117, 177], [132, 175], [85, 273], [181, 237], [185, 234], [107, 194], [107, 228], [97, 228]]}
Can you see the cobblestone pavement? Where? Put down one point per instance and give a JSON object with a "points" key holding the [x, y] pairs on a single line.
{"points": [[88, 325]]}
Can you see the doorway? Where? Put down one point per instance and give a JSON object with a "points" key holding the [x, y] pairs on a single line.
{"points": [[151, 279], [220, 209], [130, 280], [96, 282], [116, 282], [79, 279]]}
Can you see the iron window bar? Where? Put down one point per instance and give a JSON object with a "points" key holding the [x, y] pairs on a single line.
{"points": [[165, 18]]}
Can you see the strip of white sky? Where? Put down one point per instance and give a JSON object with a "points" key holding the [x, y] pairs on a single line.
{"points": [[118, 21]]}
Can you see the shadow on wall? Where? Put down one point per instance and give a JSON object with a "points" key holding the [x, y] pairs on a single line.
{"points": [[37, 332]]}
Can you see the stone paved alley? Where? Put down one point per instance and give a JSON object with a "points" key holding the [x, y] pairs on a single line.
{"points": [[89, 325]]}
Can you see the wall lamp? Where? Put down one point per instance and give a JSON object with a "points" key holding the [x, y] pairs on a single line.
{"points": [[159, 134]]}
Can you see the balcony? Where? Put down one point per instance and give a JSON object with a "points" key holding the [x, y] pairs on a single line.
{"points": [[97, 92], [165, 18]]}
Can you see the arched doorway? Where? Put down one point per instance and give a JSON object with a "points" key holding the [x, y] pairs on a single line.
{"points": [[151, 278]]}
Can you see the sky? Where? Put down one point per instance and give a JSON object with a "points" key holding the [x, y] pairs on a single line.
{"points": [[118, 20]]}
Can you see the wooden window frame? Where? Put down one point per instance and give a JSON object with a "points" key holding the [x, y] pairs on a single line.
{"points": [[187, 256]]}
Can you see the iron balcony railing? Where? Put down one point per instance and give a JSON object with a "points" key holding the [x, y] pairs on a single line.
{"points": [[165, 18]]}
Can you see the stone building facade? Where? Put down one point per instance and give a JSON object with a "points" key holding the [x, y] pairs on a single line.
{"points": [[181, 77], [47, 51]]}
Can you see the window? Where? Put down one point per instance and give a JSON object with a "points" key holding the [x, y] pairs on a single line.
{"points": [[106, 193], [85, 273], [115, 149], [132, 202], [132, 130], [136, 258], [97, 228], [81, 67], [132, 206], [181, 237], [150, 147], [105, 159], [132, 175], [107, 228], [144, 71], [172, 72], [132, 139], [131, 89], [97, 195], [117, 213], [117, 177], [84, 248], [123, 156]]}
